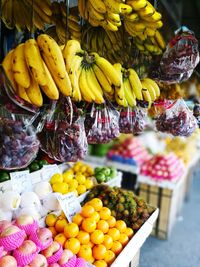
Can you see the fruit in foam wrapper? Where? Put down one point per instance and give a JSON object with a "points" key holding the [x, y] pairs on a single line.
{"points": [[66, 256], [51, 250], [8, 261], [38, 261], [28, 247]]}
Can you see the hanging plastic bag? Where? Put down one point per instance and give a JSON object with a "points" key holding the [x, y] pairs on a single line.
{"points": [[102, 124], [177, 120], [63, 137], [180, 58], [132, 120]]}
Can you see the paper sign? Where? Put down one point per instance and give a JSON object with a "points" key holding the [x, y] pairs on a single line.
{"points": [[21, 181], [48, 171], [69, 204]]}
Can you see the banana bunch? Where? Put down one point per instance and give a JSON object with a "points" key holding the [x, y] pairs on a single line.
{"points": [[154, 45], [105, 13], [107, 43], [132, 88], [143, 21], [18, 13], [92, 76], [37, 66], [66, 27]]}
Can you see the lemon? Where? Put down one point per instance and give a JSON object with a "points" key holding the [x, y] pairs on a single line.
{"points": [[68, 176], [73, 184], [83, 169], [60, 188], [90, 170], [89, 184], [80, 178], [56, 178], [81, 189]]}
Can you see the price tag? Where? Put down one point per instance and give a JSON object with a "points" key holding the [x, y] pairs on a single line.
{"points": [[69, 204], [48, 171], [21, 181]]}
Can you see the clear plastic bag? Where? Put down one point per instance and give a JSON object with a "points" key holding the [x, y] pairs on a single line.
{"points": [[102, 124], [132, 120], [63, 137], [177, 120]]}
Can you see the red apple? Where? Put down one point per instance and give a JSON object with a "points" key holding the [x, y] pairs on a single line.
{"points": [[53, 248], [10, 230], [28, 247], [4, 224], [44, 235], [66, 256], [24, 220], [8, 261], [39, 261]]}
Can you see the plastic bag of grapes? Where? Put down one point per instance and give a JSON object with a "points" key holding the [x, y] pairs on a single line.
{"points": [[177, 120], [102, 124], [63, 137], [132, 120]]}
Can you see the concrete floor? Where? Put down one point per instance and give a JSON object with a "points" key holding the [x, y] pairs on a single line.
{"points": [[183, 247]]}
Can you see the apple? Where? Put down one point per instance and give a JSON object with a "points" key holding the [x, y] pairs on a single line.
{"points": [[8, 261], [27, 247], [10, 230], [4, 224], [24, 220], [44, 235], [39, 261], [66, 256], [52, 249]]}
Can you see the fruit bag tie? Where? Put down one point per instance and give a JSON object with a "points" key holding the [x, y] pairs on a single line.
{"points": [[180, 58], [132, 120], [102, 124], [63, 137], [177, 120]]}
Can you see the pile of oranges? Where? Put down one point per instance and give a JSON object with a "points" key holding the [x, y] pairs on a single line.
{"points": [[94, 234]]}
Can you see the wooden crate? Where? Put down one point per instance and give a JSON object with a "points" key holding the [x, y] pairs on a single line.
{"points": [[168, 197]]}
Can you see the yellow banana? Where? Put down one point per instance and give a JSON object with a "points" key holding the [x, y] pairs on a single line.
{"points": [[146, 96], [19, 67], [155, 17], [150, 32], [34, 61], [93, 13], [71, 48], [125, 9], [93, 22], [74, 26], [113, 17], [132, 17], [94, 86], [45, 6], [160, 41], [98, 5], [138, 26], [107, 25], [87, 95], [150, 88], [50, 89], [7, 66], [81, 7], [129, 95], [113, 6], [108, 69], [74, 74], [137, 4], [119, 90], [34, 93], [135, 84], [155, 86], [147, 11], [21, 91], [102, 79]]}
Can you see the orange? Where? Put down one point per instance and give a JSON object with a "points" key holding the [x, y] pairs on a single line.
{"points": [[85, 252], [53, 231], [60, 238], [111, 221], [104, 213], [60, 224], [51, 219], [121, 226], [71, 230], [108, 242], [73, 244], [87, 211], [99, 252], [116, 247], [123, 239], [96, 203], [109, 257], [103, 226], [90, 244], [100, 263], [97, 237], [83, 237], [89, 225], [95, 216], [91, 260], [77, 219], [129, 232], [114, 233]]}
